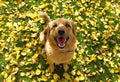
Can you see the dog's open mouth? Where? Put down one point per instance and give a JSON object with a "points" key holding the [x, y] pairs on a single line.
{"points": [[61, 41]]}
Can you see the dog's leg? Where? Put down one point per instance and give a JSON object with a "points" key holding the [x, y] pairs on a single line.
{"points": [[51, 67], [42, 37], [65, 66]]}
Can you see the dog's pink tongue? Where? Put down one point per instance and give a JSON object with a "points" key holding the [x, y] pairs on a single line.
{"points": [[61, 41]]}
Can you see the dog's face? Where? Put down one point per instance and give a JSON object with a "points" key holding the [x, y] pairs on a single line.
{"points": [[61, 32]]}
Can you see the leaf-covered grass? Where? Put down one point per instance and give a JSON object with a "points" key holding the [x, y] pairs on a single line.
{"points": [[96, 59]]}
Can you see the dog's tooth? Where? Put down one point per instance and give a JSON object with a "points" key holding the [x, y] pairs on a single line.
{"points": [[63, 45]]}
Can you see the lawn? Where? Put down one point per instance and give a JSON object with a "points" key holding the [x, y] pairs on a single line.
{"points": [[96, 59]]}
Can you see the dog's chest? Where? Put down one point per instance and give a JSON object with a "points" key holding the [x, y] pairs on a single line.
{"points": [[58, 56]]}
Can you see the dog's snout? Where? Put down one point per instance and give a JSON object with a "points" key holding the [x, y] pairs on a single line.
{"points": [[61, 32]]}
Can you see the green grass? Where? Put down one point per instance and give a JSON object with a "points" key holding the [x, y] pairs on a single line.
{"points": [[96, 59]]}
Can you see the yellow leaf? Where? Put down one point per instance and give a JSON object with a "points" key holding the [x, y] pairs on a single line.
{"points": [[34, 35], [87, 71], [106, 34], [93, 58], [3, 36], [35, 56], [118, 54], [44, 5], [118, 78], [78, 73], [33, 15], [17, 56], [80, 78], [73, 72], [10, 78], [8, 57], [11, 15], [23, 53], [81, 51], [87, 60], [101, 70], [8, 66], [20, 28], [22, 63], [39, 66], [38, 72], [81, 9], [28, 73], [56, 76], [17, 48], [79, 59], [109, 54], [77, 13], [15, 70], [83, 1], [5, 74], [22, 74], [74, 56], [43, 78], [100, 81], [83, 23], [53, 80], [32, 73], [1, 23], [115, 51], [47, 73], [100, 57], [1, 16], [93, 73], [10, 25], [29, 45], [95, 35], [67, 76], [74, 67], [112, 71], [21, 4]]}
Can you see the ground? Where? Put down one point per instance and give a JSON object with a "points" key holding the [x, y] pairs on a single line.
{"points": [[96, 59]]}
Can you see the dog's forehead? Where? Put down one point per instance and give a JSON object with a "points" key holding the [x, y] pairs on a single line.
{"points": [[60, 20]]}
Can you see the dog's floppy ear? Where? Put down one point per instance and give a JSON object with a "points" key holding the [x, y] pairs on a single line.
{"points": [[44, 35], [44, 16], [74, 27]]}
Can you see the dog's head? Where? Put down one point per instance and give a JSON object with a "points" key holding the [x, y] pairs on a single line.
{"points": [[60, 32]]}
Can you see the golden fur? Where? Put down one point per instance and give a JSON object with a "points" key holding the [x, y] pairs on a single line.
{"points": [[59, 40]]}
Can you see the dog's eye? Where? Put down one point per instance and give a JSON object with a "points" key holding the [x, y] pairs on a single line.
{"points": [[67, 25], [54, 25]]}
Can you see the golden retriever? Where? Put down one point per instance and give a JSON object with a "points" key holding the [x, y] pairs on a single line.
{"points": [[59, 40]]}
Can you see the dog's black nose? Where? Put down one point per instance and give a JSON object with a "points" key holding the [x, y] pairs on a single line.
{"points": [[61, 32]]}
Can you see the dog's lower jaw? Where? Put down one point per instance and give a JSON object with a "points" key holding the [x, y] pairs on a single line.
{"points": [[61, 41]]}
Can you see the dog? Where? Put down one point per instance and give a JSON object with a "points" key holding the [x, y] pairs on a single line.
{"points": [[59, 40]]}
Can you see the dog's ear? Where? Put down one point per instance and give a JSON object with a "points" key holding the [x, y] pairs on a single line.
{"points": [[44, 16], [44, 35], [74, 27]]}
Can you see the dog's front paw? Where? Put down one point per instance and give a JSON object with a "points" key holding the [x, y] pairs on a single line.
{"points": [[43, 51], [51, 68], [65, 66]]}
